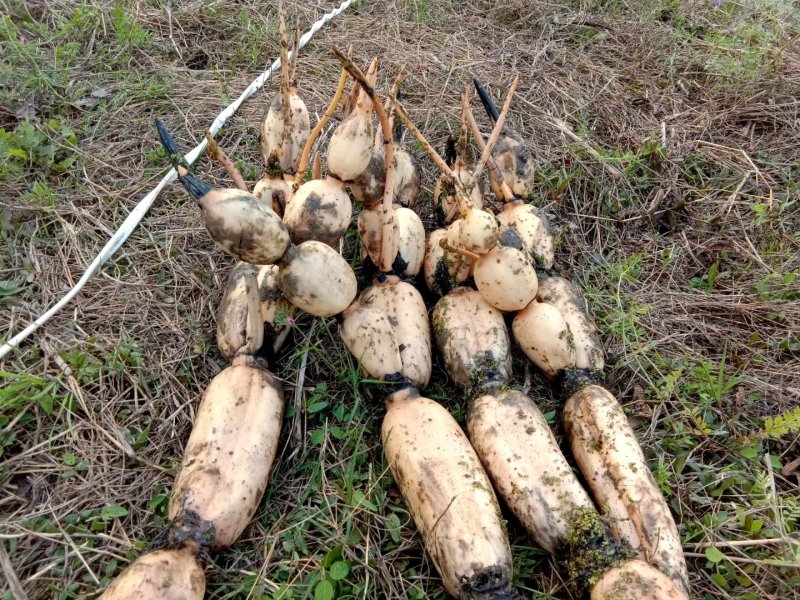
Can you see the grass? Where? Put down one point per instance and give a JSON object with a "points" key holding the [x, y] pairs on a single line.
{"points": [[689, 262]]}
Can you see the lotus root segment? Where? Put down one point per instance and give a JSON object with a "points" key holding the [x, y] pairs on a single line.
{"points": [[229, 455], [449, 496]]}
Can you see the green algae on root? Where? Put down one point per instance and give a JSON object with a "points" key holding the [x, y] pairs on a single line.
{"points": [[591, 550]]}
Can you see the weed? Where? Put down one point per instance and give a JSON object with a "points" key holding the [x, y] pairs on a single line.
{"points": [[739, 56], [48, 150], [786, 424], [622, 312], [129, 34], [710, 384], [421, 8], [21, 397]]}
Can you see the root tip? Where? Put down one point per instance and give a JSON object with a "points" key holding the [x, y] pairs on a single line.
{"points": [[170, 145], [486, 99]]}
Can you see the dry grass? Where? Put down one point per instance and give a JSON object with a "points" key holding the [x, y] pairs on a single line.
{"points": [[690, 261]]}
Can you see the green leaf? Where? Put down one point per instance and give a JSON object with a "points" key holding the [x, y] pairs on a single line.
{"points": [[158, 500], [719, 580], [28, 134], [46, 401], [332, 556], [750, 453], [714, 555], [9, 288], [360, 499], [784, 424], [64, 165], [299, 540], [319, 391], [318, 436], [284, 592], [316, 407], [393, 525], [712, 274], [69, 136], [113, 511], [339, 570], [111, 567], [354, 538], [141, 439], [47, 154], [769, 533], [324, 590]]}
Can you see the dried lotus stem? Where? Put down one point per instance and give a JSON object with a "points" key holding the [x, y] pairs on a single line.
{"points": [[499, 186], [388, 106], [286, 104], [462, 144], [316, 167], [426, 145], [372, 74], [398, 81], [465, 253], [295, 55], [498, 127], [219, 155], [388, 193], [355, 92], [301, 167], [350, 104]]}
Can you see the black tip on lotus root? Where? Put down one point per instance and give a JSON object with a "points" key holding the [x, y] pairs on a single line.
{"points": [[441, 218], [401, 380], [572, 380], [486, 99], [267, 351], [486, 377], [369, 271], [193, 185], [490, 583], [273, 167], [170, 145], [397, 128], [186, 529], [450, 151], [196, 187], [445, 283], [399, 265], [511, 239]]}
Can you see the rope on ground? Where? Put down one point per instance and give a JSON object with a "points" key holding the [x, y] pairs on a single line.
{"points": [[137, 214]]}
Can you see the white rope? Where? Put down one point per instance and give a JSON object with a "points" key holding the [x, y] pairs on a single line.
{"points": [[138, 213]]}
